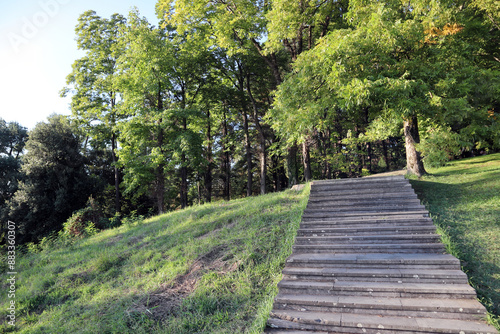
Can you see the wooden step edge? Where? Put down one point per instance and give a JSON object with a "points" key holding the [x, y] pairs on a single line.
{"points": [[346, 323]]}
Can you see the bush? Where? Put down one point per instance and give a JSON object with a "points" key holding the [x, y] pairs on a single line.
{"points": [[79, 223], [439, 145]]}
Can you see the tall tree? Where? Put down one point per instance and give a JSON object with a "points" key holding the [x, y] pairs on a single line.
{"points": [[237, 26], [161, 78], [13, 138], [406, 60], [55, 183], [295, 26], [92, 85]]}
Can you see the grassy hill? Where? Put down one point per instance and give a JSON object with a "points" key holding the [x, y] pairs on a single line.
{"points": [[211, 268], [464, 201]]}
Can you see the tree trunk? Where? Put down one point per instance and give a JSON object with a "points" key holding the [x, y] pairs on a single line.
{"points": [[414, 164], [184, 185], [226, 163], [262, 137], [184, 190], [248, 148], [160, 189], [208, 172], [386, 155], [292, 168], [160, 171], [369, 156], [117, 174], [306, 159]]}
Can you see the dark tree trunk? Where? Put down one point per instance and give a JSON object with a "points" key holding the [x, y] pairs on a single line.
{"points": [[184, 185], [326, 144], [386, 155], [160, 189], [306, 159], [414, 164], [248, 149], [262, 137], [160, 170], [226, 163], [369, 156], [184, 190], [117, 174], [368, 163], [248, 144], [293, 170], [208, 172]]}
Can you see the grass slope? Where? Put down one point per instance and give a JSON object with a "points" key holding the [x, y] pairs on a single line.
{"points": [[464, 201], [211, 268]]}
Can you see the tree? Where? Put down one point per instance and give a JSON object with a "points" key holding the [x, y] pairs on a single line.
{"points": [[161, 77], [405, 61], [12, 141], [237, 27], [95, 96], [55, 180]]}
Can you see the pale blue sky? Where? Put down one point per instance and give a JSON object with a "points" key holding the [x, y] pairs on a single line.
{"points": [[37, 48]]}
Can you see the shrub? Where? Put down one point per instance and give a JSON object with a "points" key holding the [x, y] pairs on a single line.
{"points": [[440, 145], [78, 223]]}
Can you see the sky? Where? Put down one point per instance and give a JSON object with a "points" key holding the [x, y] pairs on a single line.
{"points": [[37, 49]]}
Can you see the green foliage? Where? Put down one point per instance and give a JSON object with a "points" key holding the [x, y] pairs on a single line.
{"points": [[94, 96], [12, 141], [55, 182], [232, 26], [393, 62], [296, 25], [440, 145], [211, 268], [80, 224]]}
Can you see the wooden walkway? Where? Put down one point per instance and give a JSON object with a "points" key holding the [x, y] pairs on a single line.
{"points": [[367, 260]]}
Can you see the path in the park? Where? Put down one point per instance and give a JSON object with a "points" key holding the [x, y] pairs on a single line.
{"points": [[367, 260]]}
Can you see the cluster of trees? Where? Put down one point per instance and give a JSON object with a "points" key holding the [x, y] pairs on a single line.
{"points": [[233, 98]]}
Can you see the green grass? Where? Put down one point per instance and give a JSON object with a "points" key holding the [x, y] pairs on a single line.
{"points": [[212, 268], [464, 201]]}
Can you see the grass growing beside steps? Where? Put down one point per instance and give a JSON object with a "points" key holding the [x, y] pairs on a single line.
{"points": [[464, 201], [207, 269]]}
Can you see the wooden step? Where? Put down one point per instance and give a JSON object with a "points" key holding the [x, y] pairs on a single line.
{"points": [[367, 230], [375, 275], [375, 261], [325, 203], [372, 179], [365, 193], [363, 223], [370, 248], [374, 238], [385, 196], [378, 289], [360, 215], [363, 209], [362, 323], [365, 186], [465, 309]]}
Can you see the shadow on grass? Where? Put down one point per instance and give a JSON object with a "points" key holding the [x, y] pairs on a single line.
{"points": [[470, 231]]}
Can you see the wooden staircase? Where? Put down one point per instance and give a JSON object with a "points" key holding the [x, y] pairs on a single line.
{"points": [[367, 260]]}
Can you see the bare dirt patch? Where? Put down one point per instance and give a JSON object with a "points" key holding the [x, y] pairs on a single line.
{"points": [[164, 301]]}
